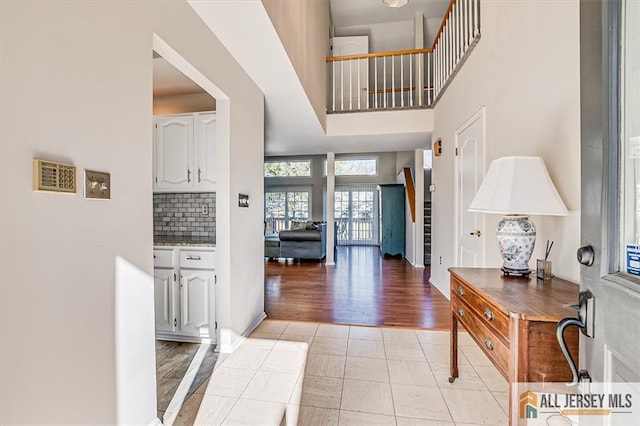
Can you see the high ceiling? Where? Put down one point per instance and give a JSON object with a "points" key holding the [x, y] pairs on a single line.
{"points": [[387, 28]]}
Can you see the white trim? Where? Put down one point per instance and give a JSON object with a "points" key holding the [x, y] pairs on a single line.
{"points": [[254, 324], [155, 422], [174, 337], [478, 115], [440, 289], [227, 348]]}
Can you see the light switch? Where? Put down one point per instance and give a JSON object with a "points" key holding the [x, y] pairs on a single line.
{"points": [[97, 185]]}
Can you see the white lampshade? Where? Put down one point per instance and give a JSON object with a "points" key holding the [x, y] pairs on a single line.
{"points": [[518, 185], [395, 3]]}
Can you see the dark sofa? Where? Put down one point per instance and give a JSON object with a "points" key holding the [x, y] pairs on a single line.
{"points": [[307, 243]]}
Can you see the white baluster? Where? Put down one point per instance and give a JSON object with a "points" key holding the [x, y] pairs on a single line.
{"points": [[359, 85], [350, 85], [333, 81], [375, 82], [384, 81], [341, 85], [401, 80], [393, 81], [411, 82]]}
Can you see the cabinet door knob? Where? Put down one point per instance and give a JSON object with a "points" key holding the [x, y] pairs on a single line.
{"points": [[488, 314], [461, 312], [461, 291], [188, 176], [199, 175], [488, 343], [477, 233]]}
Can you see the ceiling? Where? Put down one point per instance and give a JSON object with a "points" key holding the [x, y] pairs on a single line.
{"points": [[387, 28]]}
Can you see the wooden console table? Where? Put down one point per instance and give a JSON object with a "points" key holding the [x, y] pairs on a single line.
{"points": [[513, 320]]}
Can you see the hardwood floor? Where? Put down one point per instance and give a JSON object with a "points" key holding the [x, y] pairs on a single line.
{"points": [[362, 288]]}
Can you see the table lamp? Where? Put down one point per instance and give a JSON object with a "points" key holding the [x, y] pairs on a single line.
{"points": [[517, 187]]}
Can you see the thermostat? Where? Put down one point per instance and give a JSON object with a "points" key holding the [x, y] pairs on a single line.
{"points": [[54, 177]]}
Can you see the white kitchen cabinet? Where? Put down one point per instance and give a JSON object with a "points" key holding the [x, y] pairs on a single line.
{"points": [[184, 280], [184, 151], [164, 287], [197, 302], [173, 153], [206, 152]]}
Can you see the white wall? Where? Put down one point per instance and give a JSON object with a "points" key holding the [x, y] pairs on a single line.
{"points": [[525, 70], [179, 104], [76, 87], [303, 28]]}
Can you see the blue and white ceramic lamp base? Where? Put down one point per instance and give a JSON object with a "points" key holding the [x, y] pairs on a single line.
{"points": [[516, 240]]}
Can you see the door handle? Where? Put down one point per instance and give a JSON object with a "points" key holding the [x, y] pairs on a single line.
{"points": [[586, 255], [585, 322], [476, 233]]}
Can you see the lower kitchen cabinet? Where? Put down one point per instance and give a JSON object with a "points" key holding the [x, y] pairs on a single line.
{"points": [[196, 289], [163, 281], [184, 280]]}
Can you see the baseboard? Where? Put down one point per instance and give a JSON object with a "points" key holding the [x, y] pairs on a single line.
{"points": [[436, 285], [230, 347], [173, 337], [254, 324]]}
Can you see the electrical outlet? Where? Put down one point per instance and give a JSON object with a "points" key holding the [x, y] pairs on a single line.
{"points": [[204, 209]]}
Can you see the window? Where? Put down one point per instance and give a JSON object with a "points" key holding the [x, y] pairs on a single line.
{"points": [[630, 136], [287, 168], [285, 204], [355, 166]]}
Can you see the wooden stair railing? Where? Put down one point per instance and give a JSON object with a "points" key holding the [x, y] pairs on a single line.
{"points": [[411, 192]]}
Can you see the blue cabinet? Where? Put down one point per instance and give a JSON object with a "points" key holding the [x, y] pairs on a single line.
{"points": [[392, 218]]}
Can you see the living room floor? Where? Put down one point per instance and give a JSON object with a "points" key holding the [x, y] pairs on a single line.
{"points": [[353, 376], [362, 288]]}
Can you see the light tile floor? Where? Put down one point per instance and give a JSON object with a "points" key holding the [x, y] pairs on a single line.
{"points": [[352, 375]]}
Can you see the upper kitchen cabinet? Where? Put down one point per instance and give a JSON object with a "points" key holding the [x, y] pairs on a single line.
{"points": [[205, 156], [184, 153]]}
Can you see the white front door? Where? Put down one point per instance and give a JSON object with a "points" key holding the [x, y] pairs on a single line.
{"points": [[469, 142], [350, 82]]}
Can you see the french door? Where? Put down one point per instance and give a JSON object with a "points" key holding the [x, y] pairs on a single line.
{"points": [[356, 214]]}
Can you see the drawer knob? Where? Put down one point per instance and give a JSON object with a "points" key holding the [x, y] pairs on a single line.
{"points": [[461, 291], [461, 312], [488, 314], [488, 343]]}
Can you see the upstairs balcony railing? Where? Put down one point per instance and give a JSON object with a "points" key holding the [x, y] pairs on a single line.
{"points": [[406, 78]]}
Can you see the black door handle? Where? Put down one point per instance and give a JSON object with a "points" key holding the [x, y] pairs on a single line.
{"points": [[586, 255]]}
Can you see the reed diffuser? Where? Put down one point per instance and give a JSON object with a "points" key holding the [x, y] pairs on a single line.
{"points": [[543, 266]]}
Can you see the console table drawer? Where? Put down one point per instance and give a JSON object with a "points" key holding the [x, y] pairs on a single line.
{"points": [[490, 342], [493, 316]]}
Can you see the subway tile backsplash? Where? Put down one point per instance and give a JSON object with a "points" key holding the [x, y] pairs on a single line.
{"points": [[180, 215]]}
